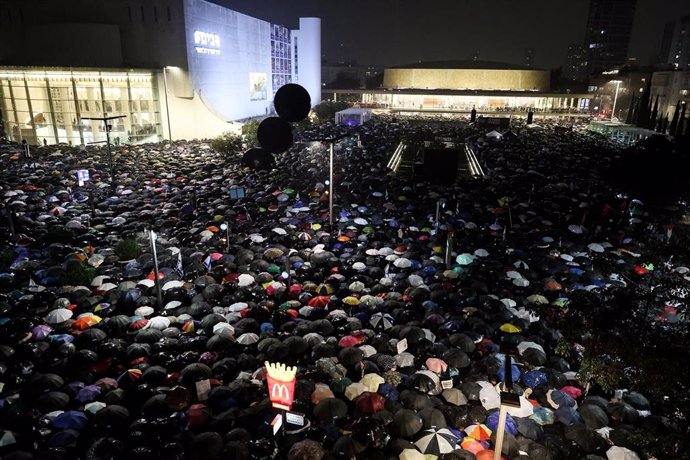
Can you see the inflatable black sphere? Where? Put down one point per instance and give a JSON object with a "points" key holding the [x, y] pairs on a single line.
{"points": [[258, 158], [292, 102], [274, 134]]}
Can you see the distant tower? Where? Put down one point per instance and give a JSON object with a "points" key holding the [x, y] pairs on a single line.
{"points": [[680, 53], [529, 57], [608, 33], [575, 63]]}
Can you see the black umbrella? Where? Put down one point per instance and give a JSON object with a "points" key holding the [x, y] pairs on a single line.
{"points": [[406, 423], [327, 409], [594, 416]]}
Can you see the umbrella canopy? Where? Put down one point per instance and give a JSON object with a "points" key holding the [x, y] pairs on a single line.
{"points": [[437, 441]]}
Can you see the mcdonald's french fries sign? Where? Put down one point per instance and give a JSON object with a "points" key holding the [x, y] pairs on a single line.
{"points": [[281, 384]]}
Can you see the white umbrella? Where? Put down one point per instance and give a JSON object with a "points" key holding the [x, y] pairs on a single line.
{"points": [[147, 282], [512, 274], [521, 282], [361, 221], [481, 252], [172, 284], [523, 346], [59, 315], [98, 280], [248, 338], [488, 396], [279, 231], [172, 305], [256, 238], [577, 229], [237, 307], [105, 287], [525, 410], [143, 311], [224, 329], [595, 247], [621, 453], [402, 262], [159, 322], [245, 279]]}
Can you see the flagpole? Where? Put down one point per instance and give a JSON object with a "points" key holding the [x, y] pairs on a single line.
{"points": [[159, 294]]}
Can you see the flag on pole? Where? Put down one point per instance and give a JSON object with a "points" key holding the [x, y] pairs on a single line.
{"points": [[207, 263], [179, 269]]}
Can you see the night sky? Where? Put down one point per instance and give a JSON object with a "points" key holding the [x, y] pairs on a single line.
{"points": [[392, 32]]}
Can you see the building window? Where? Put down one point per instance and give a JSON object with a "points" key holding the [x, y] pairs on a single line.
{"points": [[169, 15], [155, 14]]}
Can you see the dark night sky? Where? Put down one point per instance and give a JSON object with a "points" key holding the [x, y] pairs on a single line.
{"points": [[391, 32]]}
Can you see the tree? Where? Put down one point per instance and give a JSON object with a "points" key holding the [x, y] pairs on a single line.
{"points": [[249, 130], [674, 121], [655, 111], [325, 110], [644, 111], [227, 144], [631, 110]]}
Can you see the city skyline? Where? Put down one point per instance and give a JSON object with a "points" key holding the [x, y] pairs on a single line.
{"points": [[388, 33]]}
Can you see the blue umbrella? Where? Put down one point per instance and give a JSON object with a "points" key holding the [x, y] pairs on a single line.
{"points": [[492, 422], [71, 420], [568, 416], [534, 378]]}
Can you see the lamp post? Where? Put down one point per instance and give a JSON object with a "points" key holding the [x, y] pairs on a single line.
{"points": [[615, 97], [331, 141], [105, 120], [167, 106], [159, 295]]}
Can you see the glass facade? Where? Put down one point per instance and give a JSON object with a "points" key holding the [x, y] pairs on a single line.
{"points": [[49, 106], [281, 59]]}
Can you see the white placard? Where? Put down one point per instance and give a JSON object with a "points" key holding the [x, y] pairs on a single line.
{"points": [[402, 345], [446, 384], [202, 389], [277, 423], [294, 418]]}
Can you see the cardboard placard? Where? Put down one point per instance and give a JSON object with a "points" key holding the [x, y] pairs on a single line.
{"points": [[202, 389], [402, 345], [277, 423]]}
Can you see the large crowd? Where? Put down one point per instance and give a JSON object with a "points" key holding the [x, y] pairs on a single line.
{"points": [[399, 347]]}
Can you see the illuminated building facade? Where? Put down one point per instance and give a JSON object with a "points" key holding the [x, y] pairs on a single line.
{"points": [[459, 86], [174, 68]]}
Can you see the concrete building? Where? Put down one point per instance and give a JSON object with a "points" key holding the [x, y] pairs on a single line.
{"points": [[174, 68]]}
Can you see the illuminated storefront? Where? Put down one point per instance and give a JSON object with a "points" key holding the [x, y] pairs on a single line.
{"points": [[43, 105]]}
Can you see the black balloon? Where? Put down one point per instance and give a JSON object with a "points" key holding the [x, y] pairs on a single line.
{"points": [[258, 158], [292, 102], [274, 134]]}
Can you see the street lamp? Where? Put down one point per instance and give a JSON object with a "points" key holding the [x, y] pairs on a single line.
{"points": [[615, 97]]}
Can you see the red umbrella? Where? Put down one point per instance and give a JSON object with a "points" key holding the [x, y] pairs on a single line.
{"points": [[369, 403], [319, 301]]}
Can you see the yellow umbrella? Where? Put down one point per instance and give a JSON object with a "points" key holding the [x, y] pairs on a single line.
{"points": [[510, 328]]}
